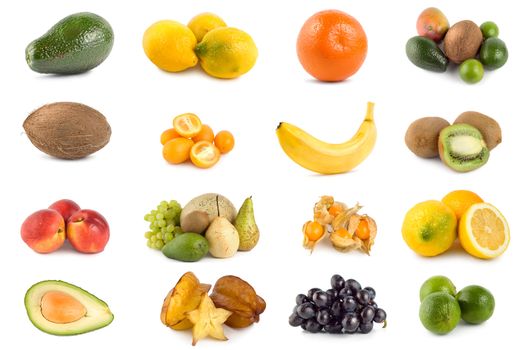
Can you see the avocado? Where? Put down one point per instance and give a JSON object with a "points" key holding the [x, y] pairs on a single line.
{"points": [[61, 308], [75, 44], [187, 246], [424, 53]]}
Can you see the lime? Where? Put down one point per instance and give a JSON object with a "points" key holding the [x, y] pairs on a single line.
{"points": [[471, 71], [476, 304], [437, 284], [493, 53], [489, 30], [440, 312]]}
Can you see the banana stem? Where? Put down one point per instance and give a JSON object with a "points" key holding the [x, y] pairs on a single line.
{"points": [[369, 112]]}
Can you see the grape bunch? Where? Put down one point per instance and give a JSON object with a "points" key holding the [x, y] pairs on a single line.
{"points": [[164, 224], [344, 308]]}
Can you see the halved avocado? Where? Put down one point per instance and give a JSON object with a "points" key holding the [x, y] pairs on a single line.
{"points": [[61, 308]]}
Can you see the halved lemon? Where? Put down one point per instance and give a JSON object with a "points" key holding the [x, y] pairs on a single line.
{"points": [[187, 125], [483, 231]]}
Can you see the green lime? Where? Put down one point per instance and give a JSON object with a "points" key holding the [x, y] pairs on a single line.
{"points": [[493, 53], [471, 71], [476, 304], [440, 312], [489, 30], [437, 284]]}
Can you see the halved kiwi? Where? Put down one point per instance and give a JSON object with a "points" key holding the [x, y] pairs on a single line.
{"points": [[462, 147]]}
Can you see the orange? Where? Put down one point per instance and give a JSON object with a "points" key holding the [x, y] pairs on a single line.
{"points": [[176, 151], [332, 45], [168, 135], [205, 134], [224, 141], [460, 201], [204, 154], [187, 124]]}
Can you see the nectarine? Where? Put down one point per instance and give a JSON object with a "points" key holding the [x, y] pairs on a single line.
{"points": [[88, 231], [44, 231], [65, 207]]}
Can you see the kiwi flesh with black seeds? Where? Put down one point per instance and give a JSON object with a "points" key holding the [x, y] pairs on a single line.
{"points": [[462, 147]]}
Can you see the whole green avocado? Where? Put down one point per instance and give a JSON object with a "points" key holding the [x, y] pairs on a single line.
{"points": [[75, 44]]}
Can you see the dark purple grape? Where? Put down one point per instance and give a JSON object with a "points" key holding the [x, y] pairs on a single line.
{"points": [[306, 311], [353, 285], [345, 292], [350, 323], [349, 304], [295, 321], [337, 282], [321, 299], [336, 309], [371, 291], [367, 314], [312, 291], [301, 298], [323, 317], [372, 303], [312, 326], [380, 316], [363, 297], [366, 327], [333, 328], [332, 294]]}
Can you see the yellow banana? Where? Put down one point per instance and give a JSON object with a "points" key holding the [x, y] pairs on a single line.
{"points": [[328, 158]]}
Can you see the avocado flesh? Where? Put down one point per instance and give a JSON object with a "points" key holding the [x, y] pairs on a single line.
{"points": [[98, 315], [75, 44]]}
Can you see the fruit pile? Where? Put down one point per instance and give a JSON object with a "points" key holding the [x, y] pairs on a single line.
{"points": [[463, 146], [190, 139], [224, 52], [208, 223], [345, 308], [346, 229], [45, 231], [431, 227], [442, 308], [233, 302], [328, 158], [332, 45], [473, 48]]}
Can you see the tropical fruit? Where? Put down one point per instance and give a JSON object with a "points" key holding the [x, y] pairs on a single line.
{"points": [[429, 228], [424, 53], [462, 147], [493, 53], [483, 231]]}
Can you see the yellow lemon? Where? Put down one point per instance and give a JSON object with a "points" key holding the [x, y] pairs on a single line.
{"points": [[461, 200], [429, 228], [483, 231], [203, 23], [170, 46], [227, 52]]}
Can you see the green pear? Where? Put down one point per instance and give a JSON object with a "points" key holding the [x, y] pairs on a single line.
{"points": [[246, 226]]}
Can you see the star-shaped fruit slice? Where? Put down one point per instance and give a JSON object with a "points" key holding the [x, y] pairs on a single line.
{"points": [[208, 320]]}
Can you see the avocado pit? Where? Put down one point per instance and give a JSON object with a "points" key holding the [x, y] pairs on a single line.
{"points": [[59, 307]]}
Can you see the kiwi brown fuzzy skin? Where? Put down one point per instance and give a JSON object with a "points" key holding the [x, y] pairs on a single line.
{"points": [[488, 127], [462, 41], [454, 161], [422, 136]]}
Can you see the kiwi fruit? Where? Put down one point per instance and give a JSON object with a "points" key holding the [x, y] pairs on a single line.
{"points": [[488, 127], [462, 147], [462, 41], [422, 136], [195, 221]]}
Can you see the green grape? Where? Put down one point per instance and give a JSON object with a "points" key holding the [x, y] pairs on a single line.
{"points": [[168, 237], [159, 245], [164, 223], [161, 223], [149, 243], [177, 230], [159, 216], [170, 228], [153, 239], [148, 234]]}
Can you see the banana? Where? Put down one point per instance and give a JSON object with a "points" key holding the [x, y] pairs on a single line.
{"points": [[328, 158]]}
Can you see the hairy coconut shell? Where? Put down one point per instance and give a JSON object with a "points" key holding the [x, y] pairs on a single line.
{"points": [[462, 41], [67, 130]]}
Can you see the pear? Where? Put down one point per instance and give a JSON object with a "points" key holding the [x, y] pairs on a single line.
{"points": [[246, 226], [222, 237]]}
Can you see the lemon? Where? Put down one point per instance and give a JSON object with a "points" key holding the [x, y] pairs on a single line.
{"points": [[437, 284], [170, 46], [461, 200], [440, 313], [483, 231], [227, 53], [203, 23], [429, 228]]}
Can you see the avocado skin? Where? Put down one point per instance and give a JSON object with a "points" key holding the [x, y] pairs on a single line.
{"points": [[75, 44], [424, 53]]}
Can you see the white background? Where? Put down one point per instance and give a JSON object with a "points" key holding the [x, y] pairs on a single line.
{"points": [[129, 177]]}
